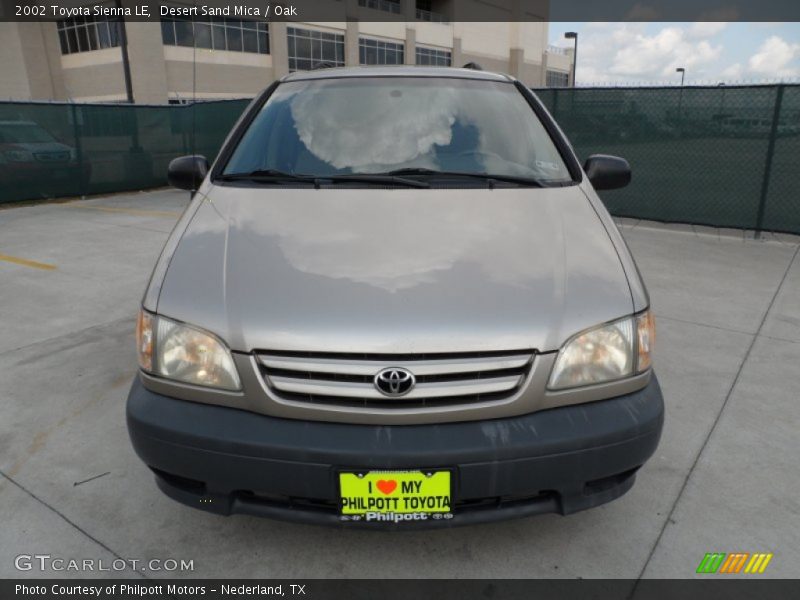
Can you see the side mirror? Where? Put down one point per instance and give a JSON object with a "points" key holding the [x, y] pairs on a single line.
{"points": [[607, 172], [187, 172]]}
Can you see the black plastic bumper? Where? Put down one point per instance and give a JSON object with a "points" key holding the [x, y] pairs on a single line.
{"points": [[560, 460]]}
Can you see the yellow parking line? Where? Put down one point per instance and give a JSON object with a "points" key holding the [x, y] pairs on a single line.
{"points": [[129, 211], [27, 263]]}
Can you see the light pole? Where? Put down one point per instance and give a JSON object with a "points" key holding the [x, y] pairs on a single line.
{"points": [[682, 71], [573, 35]]}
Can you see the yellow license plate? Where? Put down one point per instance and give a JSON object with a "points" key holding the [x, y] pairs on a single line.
{"points": [[394, 492]]}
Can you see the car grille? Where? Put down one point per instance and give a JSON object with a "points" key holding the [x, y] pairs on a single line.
{"points": [[52, 156], [441, 379]]}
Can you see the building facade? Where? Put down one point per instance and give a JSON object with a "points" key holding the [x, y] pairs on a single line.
{"points": [[89, 59]]}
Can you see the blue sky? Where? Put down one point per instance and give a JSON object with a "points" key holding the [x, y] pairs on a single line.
{"points": [[710, 52]]}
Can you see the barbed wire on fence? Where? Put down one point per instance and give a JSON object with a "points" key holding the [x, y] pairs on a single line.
{"points": [[689, 83]]}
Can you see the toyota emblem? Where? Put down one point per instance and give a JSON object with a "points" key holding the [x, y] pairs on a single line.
{"points": [[394, 382]]}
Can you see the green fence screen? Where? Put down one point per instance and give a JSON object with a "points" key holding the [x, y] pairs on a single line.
{"points": [[722, 156], [52, 150]]}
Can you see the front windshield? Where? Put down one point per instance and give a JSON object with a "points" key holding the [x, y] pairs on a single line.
{"points": [[377, 125], [21, 133]]}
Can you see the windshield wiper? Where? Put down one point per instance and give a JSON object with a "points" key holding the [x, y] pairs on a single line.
{"points": [[489, 177], [386, 178], [268, 175], [275, 175]]}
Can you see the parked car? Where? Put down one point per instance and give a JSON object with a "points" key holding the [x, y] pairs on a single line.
{"points": [[752, 127], [395, 300], [31, 156]]}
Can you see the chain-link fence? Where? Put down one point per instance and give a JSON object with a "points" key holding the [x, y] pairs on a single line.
{"points": [[55, 149], [720, 156]]}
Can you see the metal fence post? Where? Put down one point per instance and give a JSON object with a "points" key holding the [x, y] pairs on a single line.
{"points": [[78, 151], [773, 134], [555, 103]]}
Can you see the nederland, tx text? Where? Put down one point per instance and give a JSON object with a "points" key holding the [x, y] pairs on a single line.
{"points": [[146, 591]]}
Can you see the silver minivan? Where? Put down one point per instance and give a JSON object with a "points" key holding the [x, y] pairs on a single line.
{"points": [[395, 300]]}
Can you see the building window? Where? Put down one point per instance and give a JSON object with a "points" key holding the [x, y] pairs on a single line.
{"points": [[426, 11], [557, 79], [83, 34], [390, 6], [308, 48], [378, 52], [433, 57], [217, 33]]}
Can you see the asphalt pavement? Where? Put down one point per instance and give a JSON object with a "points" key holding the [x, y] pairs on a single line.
{"points": [[724, 479]]}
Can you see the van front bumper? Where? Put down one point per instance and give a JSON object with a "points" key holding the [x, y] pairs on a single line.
{"points": [[560, 460]]}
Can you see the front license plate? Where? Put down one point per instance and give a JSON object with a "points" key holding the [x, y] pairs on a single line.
{"points": [[376, 495]]}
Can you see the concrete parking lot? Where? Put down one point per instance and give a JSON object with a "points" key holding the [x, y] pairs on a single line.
{"points": [[724, 479]]}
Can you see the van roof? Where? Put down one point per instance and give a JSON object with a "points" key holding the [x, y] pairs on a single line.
{"points": [[396, 71]]}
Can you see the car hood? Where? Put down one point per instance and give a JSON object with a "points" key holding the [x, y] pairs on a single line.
{"points": [[394, 270]]}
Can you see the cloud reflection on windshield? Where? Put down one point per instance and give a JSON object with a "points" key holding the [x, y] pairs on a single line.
{"points": [[332, 125]]}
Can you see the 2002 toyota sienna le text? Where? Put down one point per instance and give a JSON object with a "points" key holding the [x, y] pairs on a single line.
{"points": [[395, 300]]}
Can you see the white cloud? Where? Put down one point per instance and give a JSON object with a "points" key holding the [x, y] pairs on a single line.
{"points": [[774, 58], [626, 52], [637, 52], [735, 71]]}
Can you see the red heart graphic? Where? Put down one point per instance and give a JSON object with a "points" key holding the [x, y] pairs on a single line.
{"points": [[387, 487]]}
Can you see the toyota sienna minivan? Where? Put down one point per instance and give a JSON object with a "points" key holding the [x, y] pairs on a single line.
{"points": [[395, 300]]}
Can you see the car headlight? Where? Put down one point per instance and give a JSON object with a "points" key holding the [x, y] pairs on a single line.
{"points": [[183, 353], [19, 156], [611, 351]]}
